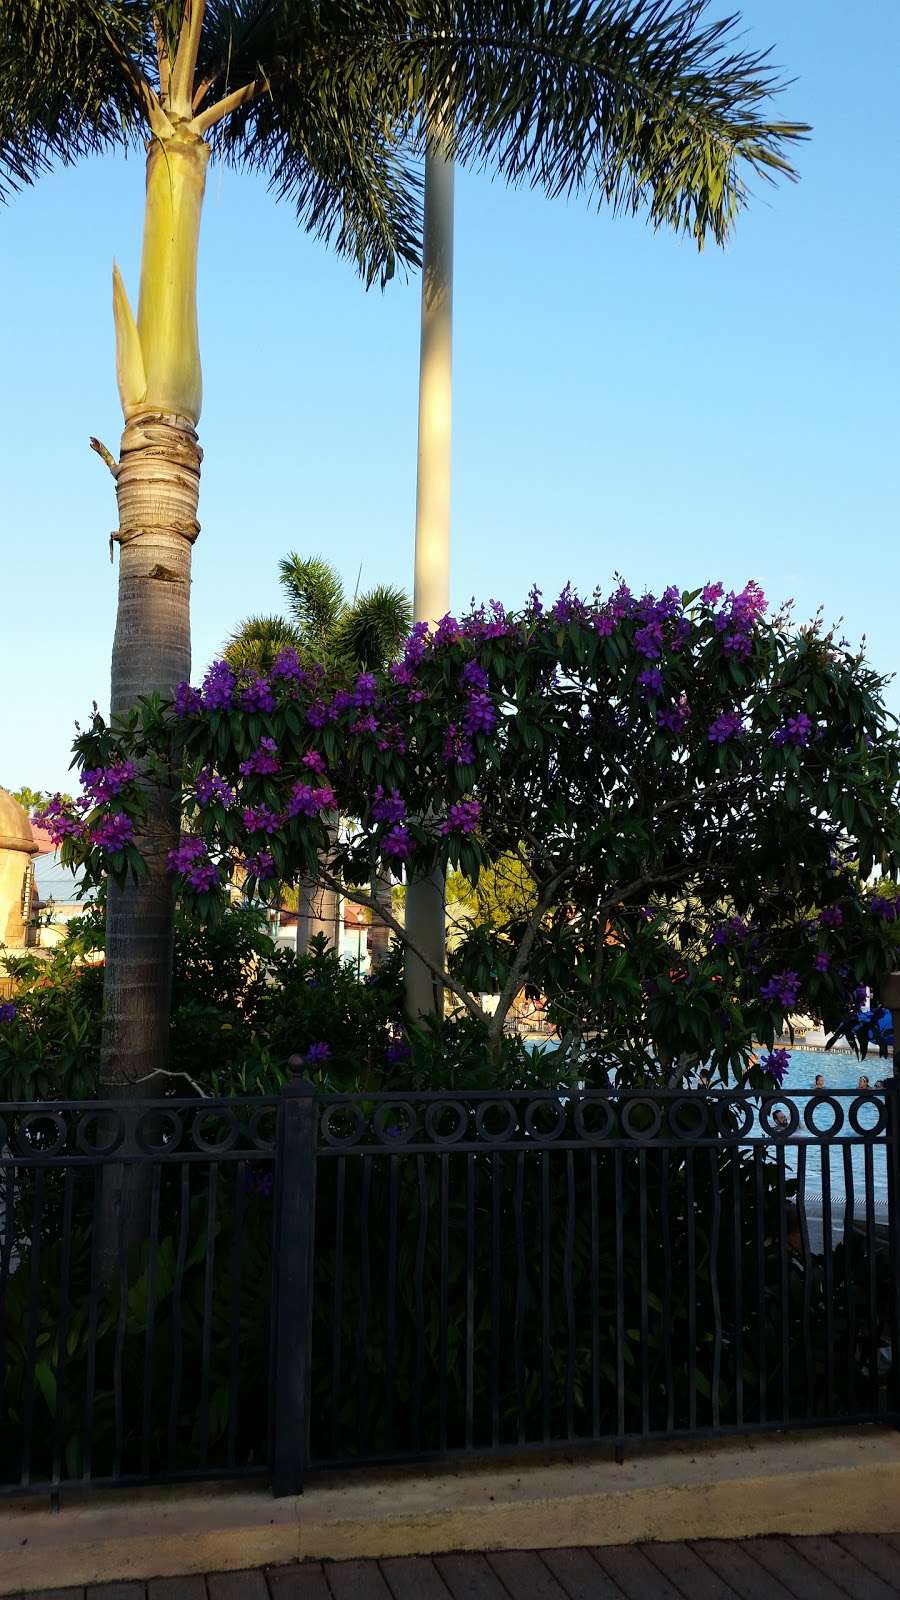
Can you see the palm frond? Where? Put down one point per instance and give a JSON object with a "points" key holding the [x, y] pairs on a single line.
{"points": [[69, 81], [315, 597], [374, 627], [257, 642]]}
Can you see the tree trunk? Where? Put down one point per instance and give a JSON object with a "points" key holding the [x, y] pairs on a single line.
{"points": [[318, 907], [379, 932], [425, 897], [157, 488]]}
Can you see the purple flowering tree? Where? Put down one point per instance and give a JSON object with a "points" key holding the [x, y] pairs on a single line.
{"points": [[698, 792]]}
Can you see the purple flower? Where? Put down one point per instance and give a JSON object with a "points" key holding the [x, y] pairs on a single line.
{"points": [[397, 842], [534, 600], [366, 724], [480, 715], [287, 665], [474, 676], [860, 995], [831, 917], [821, 961], [462, 817], [711, 593], [58, 822], [202, 875], [388, 808], [881, 906], [218, 687], [314, 761], [398, 1050], [797, 730], [447, 631], [112, 833], [318, 714], [734, 928], [604, 624], [776, 1064], [783, 987], [258, 696], [103, 783], [365, 690], [675, 718], [651, 680], [8, 1012], [259, 819], [726, 726], [187, 701], [190, 849], [621, 603], [457, 747], [682, 632], [737, 644], [415, 646], [263, 760], [318, 1054], [208, 786], [401, 673], [260, 866], [308, 802], [649, 640]]}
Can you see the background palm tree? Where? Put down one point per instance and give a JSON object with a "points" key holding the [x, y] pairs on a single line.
{"points": [[344, 635], [637, 103]]}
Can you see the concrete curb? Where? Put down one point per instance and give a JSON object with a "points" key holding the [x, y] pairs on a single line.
{"points": [[846, 1481]]}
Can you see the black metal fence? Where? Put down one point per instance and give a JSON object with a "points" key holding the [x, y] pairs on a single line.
{"points": [[226, 1288]]}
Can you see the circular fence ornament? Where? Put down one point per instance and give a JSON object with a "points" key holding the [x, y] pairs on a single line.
{"points": [[28, 1138], [159, 1132], [506, 1131], [439, 1109], [352, 1135], [387, 1129], [630, 1109], [837, 1116], [108, 1121], [582, 1112], [221, 1115], [541, 1108], [867, 1102]]}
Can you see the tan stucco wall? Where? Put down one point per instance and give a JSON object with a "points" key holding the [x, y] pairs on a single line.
{"points": [[13, 867]]}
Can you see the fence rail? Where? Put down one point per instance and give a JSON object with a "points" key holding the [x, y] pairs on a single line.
{"points": [[215, 1288]]}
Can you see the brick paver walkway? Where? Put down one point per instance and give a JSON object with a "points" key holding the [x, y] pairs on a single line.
{"points": [[858, 1566]]}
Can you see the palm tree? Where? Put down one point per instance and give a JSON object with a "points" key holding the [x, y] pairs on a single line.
{"points": [[636, 102], [343, 635]]}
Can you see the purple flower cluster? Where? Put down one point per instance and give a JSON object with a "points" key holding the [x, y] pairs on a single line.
{"points": [[388, 807], [218, 687], [261, 865], [306, 801], [462, 817], [651, 680], [783, 987], [8, 1012], [448, 631], [860, 996], [480, 715], [734, 928], [797, 731], [675, 718], [208, 787], [192, 861], [728, 725], [314, 761], [258, 696], [831, 917], [187, 701], [366, 689], [264, 759], [473, 676], [776, 1065], [398, 1050], [112, 833], [287, 665], [260, 819], [58, 821], [397, 842], [457, 748], [881, 906], [821, 961], [648, 640], [104, 783], [318, 1054], [366, 724], [738, 617]]}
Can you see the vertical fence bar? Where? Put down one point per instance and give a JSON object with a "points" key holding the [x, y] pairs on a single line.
{"points": [[850, 1275], [294, 1251], [892, 1102], [644, 1309], [738, 1251], [37, 1210], [445, 1287], [809, 1358], [595, 1298], [546, 1352], [241, 1173], [665, 1228], [421, 1243], [62, 1330], [871, 1277], [716, 1376], [212, 1191], [620, 1303], [337, 1314], [568, 1259], [390, 1364], [783, 1283], [495, 1297]]}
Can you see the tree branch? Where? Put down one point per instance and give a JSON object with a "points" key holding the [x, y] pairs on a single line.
{"points": [[361, 899], [105, 455], [223, 108], [182, 84], [517, 971]]}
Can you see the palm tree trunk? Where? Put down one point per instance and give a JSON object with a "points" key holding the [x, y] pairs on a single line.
{"points": [[319, 907], [379, 933], [425, 896], [157, 488]]}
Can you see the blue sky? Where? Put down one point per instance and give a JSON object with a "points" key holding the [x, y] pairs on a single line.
{"points": [[621, 402]]}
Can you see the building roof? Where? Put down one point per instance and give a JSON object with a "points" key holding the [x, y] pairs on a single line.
{"points": [[15, 828]]}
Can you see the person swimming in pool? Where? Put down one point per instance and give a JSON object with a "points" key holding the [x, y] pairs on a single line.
{"points": [[820, 1081], [863, 1082]]}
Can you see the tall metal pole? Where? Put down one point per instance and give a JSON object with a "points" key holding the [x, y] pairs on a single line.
{"points": [[431, 598]]}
